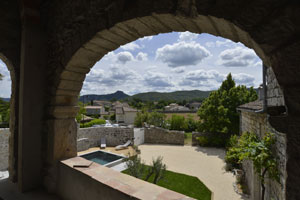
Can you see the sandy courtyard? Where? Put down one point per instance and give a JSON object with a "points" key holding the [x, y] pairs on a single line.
{"points": [[205, 163]]}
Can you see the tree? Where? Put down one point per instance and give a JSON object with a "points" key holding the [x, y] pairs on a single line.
{"points": [[1, 77], [250, 147], [151, 118], [157, 119], [157, 168], [218, 111], [81, 112], [4, 114]]}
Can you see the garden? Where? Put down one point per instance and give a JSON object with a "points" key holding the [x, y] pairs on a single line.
{"points": [[158, 174]]}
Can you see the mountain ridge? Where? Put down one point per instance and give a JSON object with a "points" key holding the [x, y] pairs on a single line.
{"points": [[150, 96]]}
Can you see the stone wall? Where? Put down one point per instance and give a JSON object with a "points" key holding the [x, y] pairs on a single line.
{"points": [[90, 137], [274, 92], [4, 136], [163, 136], [257, 123]]}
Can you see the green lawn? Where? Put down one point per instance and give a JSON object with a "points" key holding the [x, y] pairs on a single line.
{"points": [[188, 185], [187, 138]]}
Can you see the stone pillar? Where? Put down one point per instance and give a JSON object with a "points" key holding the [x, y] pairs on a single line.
{"points": [[293, 158], [32, 92]]}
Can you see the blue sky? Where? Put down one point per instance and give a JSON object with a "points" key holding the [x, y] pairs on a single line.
{"points": [[168, 62]]}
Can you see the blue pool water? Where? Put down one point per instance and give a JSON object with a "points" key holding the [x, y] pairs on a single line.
{"points": [[101, 157]]}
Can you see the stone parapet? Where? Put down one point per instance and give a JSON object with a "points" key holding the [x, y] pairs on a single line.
{"points": [[163, 136], [90, 137], [4, 137]]}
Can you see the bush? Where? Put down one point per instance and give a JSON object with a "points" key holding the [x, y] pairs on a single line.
{"points": [[232, 141], [113, 117], [260, 152], [191, 124], [203, 141], [151, 118], [177, 122], [135, 166], [212, 140], [91, 123], [158, 169]]}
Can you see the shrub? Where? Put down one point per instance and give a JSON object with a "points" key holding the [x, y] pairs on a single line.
{"points": [[151, 118], [91, 123], [191, 124], [177, 122], [203, 141], [259, 151], [113, 117], [135, 166], [158, 169], [212, 140], [232, 141]]}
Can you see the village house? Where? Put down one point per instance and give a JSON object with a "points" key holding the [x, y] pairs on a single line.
{"points": [[194, 106], [174, 107], [125, 115]]}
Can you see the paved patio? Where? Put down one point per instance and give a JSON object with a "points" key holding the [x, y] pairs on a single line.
{"points": [[205, 163]]}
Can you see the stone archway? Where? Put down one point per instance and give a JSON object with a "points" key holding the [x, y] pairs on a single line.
{"points": [[85, 33], [13, 124], [69, 81]]}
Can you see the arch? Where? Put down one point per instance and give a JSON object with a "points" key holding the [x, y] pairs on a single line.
{"points": [[271, 29], [69, 81], [13, 124]]}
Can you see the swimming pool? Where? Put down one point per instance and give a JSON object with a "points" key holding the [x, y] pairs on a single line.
{"points": [[104, 158]]}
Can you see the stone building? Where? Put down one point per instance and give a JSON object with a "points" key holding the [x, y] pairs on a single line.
{"points": [[125, 115], [254, 117], [50, 45], [255, 121]]}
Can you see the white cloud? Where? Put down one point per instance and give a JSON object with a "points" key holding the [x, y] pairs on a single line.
{"points": [[226, 43], [124, 56], [210, 44], [5, 83], [113, 77], [237, 57], [130, 46], [187, 36], [182, 54], [157, 80], [146, 38], [243, 79], [109, 56], [202, 77], [142, 56], [178, 70]]}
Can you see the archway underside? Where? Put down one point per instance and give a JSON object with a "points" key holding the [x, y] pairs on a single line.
{"points": [[271, 29]]}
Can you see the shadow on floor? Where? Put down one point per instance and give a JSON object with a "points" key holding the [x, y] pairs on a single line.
{"points": [[212, 151], [9, 191]]}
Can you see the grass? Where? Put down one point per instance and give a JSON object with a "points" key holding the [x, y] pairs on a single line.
{"points": [[188, 185], [187, 138]]}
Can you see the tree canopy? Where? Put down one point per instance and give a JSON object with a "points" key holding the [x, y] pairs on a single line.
{"points": [[218, 111]]}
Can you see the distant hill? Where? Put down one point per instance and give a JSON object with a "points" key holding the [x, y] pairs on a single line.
{"points": [[5, 99], [177, 96], [149, 96], [106, 97]]}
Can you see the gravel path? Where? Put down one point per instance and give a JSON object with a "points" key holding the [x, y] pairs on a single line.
{"points": [[205, 163]]}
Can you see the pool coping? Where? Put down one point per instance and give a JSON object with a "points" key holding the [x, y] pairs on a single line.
{"points": [[110, 164]]}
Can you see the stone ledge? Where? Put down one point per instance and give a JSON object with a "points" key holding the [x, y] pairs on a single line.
{"points": [[97, 181]]}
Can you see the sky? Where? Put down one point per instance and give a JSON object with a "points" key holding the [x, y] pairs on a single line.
{"points": [[168, 62]]}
